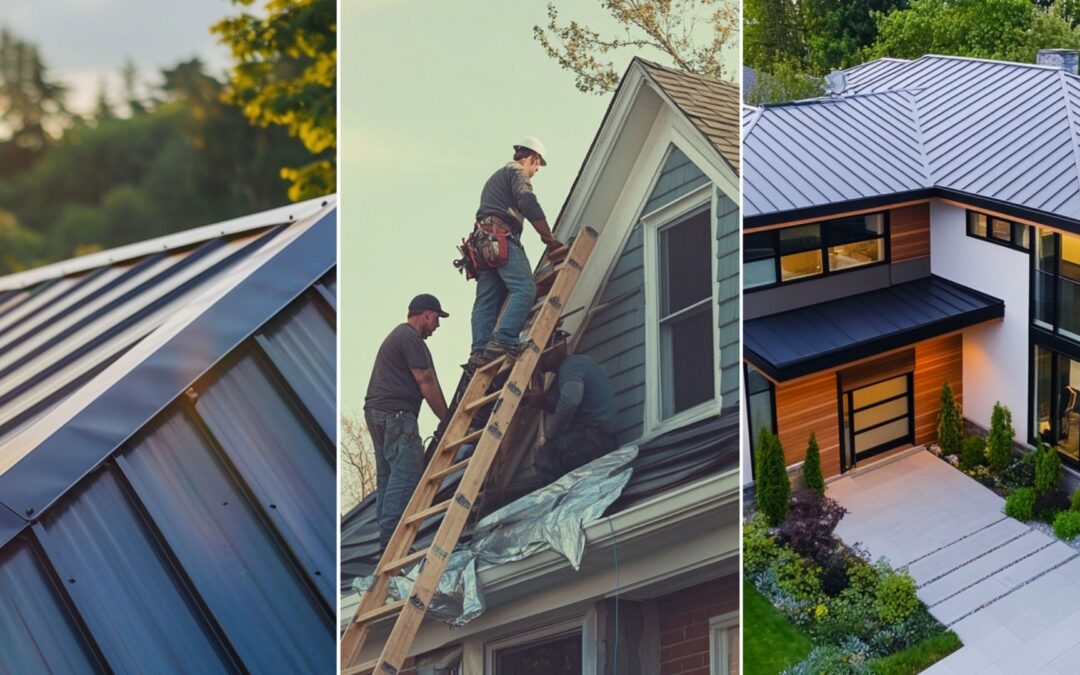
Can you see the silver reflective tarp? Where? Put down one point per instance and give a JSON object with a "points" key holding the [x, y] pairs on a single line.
{"points": [[552, 517]]}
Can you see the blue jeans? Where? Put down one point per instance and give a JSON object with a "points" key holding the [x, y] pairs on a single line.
{"points": [[492, 287], [399, 463]]}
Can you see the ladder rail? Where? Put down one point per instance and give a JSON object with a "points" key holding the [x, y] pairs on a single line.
{"points": [[410, 613]]}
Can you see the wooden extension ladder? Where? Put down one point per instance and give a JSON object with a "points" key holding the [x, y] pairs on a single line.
{"points": [[553, 289]]}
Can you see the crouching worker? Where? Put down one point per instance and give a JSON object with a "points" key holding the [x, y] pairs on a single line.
{"points": [[403, 376], [582, 426]]}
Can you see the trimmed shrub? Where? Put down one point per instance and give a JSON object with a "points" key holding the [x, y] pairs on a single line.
{"points": [[772, 488], [999, 442], [972, 453], [950, 425], [896, 599], [759, 548], [830, 659], [1049, 505], [1021, 504], [1074, 503], [1047, 469], [1021, 473], [808, 528], [1067, 525], [797, 576], [811, 467]]}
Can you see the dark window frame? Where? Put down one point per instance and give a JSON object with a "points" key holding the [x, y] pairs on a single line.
{"points": [[823, 247], [1016, 231], [750, 393], [846, 409]]}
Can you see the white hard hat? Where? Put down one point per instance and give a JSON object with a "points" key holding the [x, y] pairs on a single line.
{"points": [[533, 143]]}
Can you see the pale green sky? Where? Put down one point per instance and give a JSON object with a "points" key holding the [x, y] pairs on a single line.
{"points": [[433, 96]]}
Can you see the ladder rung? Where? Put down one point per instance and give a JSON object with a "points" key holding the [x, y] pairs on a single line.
{"points": [[550, 274], [429, 512], [400, 563], [464, 440], [379, 612], [443, 473], [495, 362], [482, 401], [538, 306], [366, 667]]}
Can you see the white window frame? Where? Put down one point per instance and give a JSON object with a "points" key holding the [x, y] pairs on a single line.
{"points": [[719, 648], [654, 222], [579, 624]]}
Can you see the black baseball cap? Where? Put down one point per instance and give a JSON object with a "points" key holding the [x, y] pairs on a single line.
{"points": [[427, 301]]}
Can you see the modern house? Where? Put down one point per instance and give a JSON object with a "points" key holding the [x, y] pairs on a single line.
{"points": [[167, 453], [657, 307], [919, 225]]}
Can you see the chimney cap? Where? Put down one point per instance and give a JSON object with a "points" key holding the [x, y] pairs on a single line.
{"points": [[1063, 59]]}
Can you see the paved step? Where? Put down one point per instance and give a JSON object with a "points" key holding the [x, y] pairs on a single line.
{"points": [[1002, 583], [990, 562], [966, 549]]}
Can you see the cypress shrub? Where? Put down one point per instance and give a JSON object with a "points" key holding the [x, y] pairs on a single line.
{"points": [[812, 467], [1047, 469], [949, 426], [999, 442], [772, 489]]}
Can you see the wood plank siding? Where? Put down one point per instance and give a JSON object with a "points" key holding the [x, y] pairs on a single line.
{"points": [[909, 228], [809, 404]]}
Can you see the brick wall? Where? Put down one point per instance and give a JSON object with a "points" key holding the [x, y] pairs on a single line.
{"points": [[684, 625]]}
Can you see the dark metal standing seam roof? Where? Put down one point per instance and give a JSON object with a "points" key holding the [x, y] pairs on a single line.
{"points": [[814, 338], [996, 131], [173, 510]]}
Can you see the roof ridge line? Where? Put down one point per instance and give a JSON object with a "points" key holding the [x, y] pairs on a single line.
{"points": [[752, 123], [922, 141], [1074, 129]]}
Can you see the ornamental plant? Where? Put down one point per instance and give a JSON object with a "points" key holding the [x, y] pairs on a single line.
{"points": [[896, 599], [1047, 469], [1074, 502], [1067, 525], [808, 527], [1000, 440], [1021, 504], [772, 488], [972, 453], [811, 467], [950, 425]]}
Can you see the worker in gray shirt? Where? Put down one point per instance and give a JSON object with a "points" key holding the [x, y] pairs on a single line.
{"points": [[506, 201], [403, 376], [582, 426]]}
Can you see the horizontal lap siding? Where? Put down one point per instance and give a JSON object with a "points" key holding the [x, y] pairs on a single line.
{"points": [[807, 405], [727, 274], [678, 177], [909, 232], [936, 361]]}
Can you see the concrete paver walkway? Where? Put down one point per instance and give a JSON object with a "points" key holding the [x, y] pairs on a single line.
{"points": [[1011, 593]]}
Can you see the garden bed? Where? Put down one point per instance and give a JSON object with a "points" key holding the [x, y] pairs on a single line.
{"points": [[858, 616]]}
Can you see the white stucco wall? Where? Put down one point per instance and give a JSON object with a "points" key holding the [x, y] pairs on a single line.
{"points": [[995, 354]]}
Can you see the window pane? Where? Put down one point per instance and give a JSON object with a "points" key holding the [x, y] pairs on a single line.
{"points": [[800, 238], [856, 228], [759, 273], [686, 262], [689, 370], [1066, 436], [1001, 229], [880, 413], [1069, 287], [894, 431], [854, 255], [799, 265], [759, 245], [1021, 234], [1044, 361], [557, 656], [756, 382], [880, 391], [976, 224], [1045, 254]]}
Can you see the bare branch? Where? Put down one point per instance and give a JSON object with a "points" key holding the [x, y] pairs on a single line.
{"points": [[357, 462]]}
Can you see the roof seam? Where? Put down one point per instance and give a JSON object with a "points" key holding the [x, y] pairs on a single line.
{"points": [[1066, 98]]}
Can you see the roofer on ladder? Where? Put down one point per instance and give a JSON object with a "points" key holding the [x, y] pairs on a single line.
{"points": [[505, 202], [402, 377]]}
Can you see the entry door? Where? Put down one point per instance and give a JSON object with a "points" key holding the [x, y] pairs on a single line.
{"points": [[876, 418]]}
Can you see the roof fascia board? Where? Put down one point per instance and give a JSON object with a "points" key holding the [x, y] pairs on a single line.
{"points": [[701, 152], [163, 371], [754, 222], [703, 500], [278, 216]]}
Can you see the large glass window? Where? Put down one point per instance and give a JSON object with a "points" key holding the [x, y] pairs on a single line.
{"points": [[1069, 287], [877, 418], [555, 655], [687, 351], [1055, 284], [1056, 417], [1045, 275], [998, 230], [807, 251]]}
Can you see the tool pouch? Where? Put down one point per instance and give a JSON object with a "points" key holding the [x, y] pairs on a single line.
{"points": [[486, 248]]}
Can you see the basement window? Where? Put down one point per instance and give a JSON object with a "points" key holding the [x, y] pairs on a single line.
{"points": [[553, 650], [998, 231]]}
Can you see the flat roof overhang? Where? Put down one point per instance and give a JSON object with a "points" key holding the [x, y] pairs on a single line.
{"points": [[829, 334]]}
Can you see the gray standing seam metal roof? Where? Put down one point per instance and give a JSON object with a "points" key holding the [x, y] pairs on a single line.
{"points": [[1005, 132]]}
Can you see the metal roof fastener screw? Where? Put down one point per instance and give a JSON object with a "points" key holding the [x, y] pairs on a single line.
{"points": [[29, 510], [192, 394]]}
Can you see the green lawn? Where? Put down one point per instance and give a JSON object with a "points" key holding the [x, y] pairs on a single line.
{"points": [[770, 643]]}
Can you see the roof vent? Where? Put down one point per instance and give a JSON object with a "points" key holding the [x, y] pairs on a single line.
{"points": [[836, 83], [1065, 59]]}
